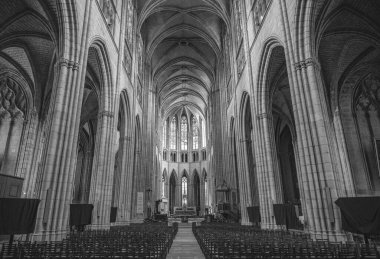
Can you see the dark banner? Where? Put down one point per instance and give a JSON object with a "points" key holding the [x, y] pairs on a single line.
{"points": [[80, 214], [17, 216], [254, 214], [113, 214], [279, 213], [285, 214], [360, 214]]}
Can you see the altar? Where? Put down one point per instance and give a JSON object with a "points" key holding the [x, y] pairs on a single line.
{"points": [[184, 215]]}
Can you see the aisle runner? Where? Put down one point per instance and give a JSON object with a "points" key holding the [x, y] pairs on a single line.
{"points": [[185, 246]]}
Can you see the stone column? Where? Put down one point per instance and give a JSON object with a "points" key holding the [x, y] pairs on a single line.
{"points": [[346, 178], [102, 173], [314, 150], [58, 166], [178, 202], [31, 147], [136, 182], [313, 140], [125, 198], [267, 169], [245, 184]]}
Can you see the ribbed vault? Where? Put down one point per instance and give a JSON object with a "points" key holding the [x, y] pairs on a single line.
{"points": [[183, 44]]}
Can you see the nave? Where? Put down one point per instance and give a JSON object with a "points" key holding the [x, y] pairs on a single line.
{"points": [[263, 115]]}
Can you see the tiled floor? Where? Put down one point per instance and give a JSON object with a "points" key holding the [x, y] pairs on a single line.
{"points": [[185, 246]]}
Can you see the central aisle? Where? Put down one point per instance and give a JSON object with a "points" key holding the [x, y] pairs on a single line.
{"points": [[185, 246]]}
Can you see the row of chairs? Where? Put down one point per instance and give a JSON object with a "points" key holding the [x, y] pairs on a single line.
{"points": [[226, 241], [135, 241]]}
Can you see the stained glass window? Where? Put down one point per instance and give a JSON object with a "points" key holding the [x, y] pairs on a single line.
{"points": [[183, 133], [163, 185], [195, 132], [173, 133], [184, 191], [203, 134]]}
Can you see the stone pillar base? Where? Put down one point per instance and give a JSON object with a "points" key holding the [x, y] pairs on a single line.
{"points": [[331, 236], [246, 223], [51, 235], [121, 223], [99, 226], [137, 221], [270, 226]]}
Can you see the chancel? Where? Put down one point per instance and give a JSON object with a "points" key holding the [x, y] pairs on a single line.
{"points": [[189, 128]]}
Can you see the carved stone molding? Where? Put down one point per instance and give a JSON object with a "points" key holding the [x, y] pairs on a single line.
{"points": [[368, 95], [12, 99], [105, 114], [63, 62], [306, 63]]}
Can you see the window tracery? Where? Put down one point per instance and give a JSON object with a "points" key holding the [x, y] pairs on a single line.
{"points": [[12, 115], [183, 133], [195, 133], [173, 133], [203, 134]]}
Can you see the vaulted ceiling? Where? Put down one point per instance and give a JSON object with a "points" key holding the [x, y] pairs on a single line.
{"points": [[28, 37], [183, 43]]}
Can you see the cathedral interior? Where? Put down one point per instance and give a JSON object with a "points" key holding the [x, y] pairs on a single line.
{"points": [[232, 111]]}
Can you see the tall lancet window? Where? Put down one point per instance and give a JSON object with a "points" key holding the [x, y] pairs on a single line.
{"points": [[164, 133], [184, 191], [183, 133], [203, 134], [173, 133], [195, 133], [163, 186]]}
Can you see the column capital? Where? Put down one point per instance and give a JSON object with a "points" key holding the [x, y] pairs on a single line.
{"points": [[263, 115], [105, 114], [64, 62], [303, 64]]}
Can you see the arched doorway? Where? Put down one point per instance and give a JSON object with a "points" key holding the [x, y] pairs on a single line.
{"points": [[172, 191], [197, 191], [184, 190], [249, 152], [281, 127], [234, 167], [291, 192], [88, 135]]}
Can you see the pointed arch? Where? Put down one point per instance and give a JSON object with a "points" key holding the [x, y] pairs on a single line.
{"points": [[264, 90], [173, 190], [246, 127], [196, 190], [101, 60]]}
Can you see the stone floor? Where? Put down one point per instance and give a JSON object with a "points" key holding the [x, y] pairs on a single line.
{"points": [[185, 246]]}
